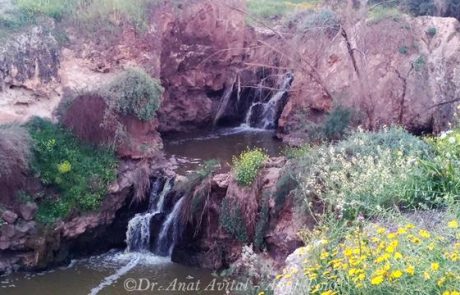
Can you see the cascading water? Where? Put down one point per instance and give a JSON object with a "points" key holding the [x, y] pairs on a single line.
{"points": [[265, 114], [170, 231], [138, 234]]}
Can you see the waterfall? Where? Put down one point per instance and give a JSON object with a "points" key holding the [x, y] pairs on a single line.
{"points": [[265, 114], [170, 231], [224, 101], [138, 234]]}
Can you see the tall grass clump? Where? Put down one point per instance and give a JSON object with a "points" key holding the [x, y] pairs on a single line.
{"points": [[80, 174], [247, 165], [134, 92]]}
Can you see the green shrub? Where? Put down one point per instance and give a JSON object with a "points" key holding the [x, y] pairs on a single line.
{"points": [[80, 174], [419, 63], [284, 186], [420, 7], [52, 8], [134, 92], [246, 166], [276, 9], [231, 220], [368, 173], [337, 122], [323, 19], [404, 50], [380, 13], [444, 168], [431, 32]]}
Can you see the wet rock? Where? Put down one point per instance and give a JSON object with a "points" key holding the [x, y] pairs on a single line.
{"points": [[9, 216], [28, 210]]}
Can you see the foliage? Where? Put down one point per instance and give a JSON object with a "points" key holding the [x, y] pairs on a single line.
{"points": [[379, 260], [231, 220], [79, 173], [420, 7], [368, 173], [453, 8], [134, 92], [322, 19], [262, 223], [337, 122], [380, 13], [419, 63], [432, 31], [444, 167], [284, 186], [246, 166], [274, 8], [52, 8], [296, 152], [404, 50]]}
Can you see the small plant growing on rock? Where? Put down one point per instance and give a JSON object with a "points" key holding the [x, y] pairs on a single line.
{"points": [[246, 166], [431, 32], [231, 220], [134, 92]]}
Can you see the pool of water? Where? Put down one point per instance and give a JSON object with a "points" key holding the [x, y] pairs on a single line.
{"points": [[119, 273], [222, 145]]}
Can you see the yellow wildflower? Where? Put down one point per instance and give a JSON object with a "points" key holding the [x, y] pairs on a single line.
{"points": [[329, 292], [396, 274], [452, 224], [426, 276], [381, 230], [377, 280], [398, 255], [424, 234], [402, 231], [441, 281], [434, 266], [410, 270]]}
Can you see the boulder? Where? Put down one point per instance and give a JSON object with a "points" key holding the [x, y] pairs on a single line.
{"points": [[9, 216], [28, 210]]}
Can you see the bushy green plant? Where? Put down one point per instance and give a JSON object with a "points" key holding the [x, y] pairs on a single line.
{"points": [[284, 186], [368, 173], [134, 92], [246, 166], [420, 7], [52, 8], [380, 13], [337, 122], [79, 173], [431, 31], [274, 9], [231, 220], [444, 167]]}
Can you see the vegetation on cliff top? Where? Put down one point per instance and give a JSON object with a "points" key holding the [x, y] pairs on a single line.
{"points": [[247, 165], [79, 174], [134, 92]]}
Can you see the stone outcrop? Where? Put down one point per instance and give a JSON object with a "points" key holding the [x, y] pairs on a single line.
{"points": [[208, 245]]}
